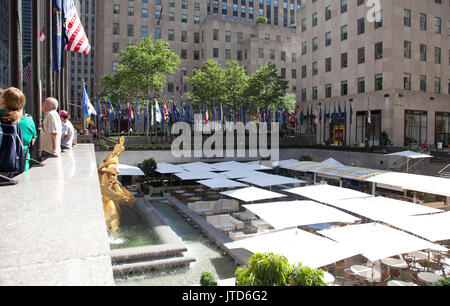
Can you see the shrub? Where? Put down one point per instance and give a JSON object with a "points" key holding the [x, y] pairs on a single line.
{"points": [[442, 283], [145, 189], [261, 19], [268, 269], [148, 166], [305, 158], [207, 280]]}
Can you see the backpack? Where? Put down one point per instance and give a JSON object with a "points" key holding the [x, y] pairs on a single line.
{"points": [[12, 154]]}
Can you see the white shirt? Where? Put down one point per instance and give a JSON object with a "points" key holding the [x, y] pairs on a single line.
{"points": [[51, 125], [67, 129]]}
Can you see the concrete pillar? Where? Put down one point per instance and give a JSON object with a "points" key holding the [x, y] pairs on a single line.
{"points": [[374, 188]]}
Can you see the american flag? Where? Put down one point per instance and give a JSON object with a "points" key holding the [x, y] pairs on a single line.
{"points": [[77, 39], [26, 72]]}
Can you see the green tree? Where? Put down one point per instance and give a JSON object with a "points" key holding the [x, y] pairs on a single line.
{"points": [[288, 102], [142, 70], [268, 269], [262, 19], [265, 87], [207, 279], [148, 166]]}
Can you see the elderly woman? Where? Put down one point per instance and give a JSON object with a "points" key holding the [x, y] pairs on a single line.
{"points": [[51, 127]]}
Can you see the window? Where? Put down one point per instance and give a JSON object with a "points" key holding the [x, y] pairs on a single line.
{"points": [[378, 50], [328, 38], [437, 85], [294, 73], [361, 25], [344, 32], [304, 47], [361, 85], [130, 11], [227, 53], [423, 22], [283, 73], [272, 54], [184, 18], [239, 55], [196, 55], [315, 69], [130, 30], [215, 34], [344, 60], [294, 57], [314, 93], [379, 81], [361, 55], [314, 19], [442, 128], [328, 12], [423, 52], [144, 31], [184, 53], [407, 49], [415, 127], [437, 55], [196, 37], [344, 88], [437, 25], [115, 47], [227, 36], [260, 53], [407, 81], [144, 13], [171, 35], [303, 24], [328, 89], [304, 71], [328, 64], [423, 83], [283, 56], [116, 9], [407, 17], [171, 16], [343, 6], [314, 44], [116, 29], [184, 36], [378, 19], [303, 94], [215, 52]]}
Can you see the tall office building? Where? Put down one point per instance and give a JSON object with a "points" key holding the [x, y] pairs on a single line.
{"points": [[198, 31], [392, 66]]}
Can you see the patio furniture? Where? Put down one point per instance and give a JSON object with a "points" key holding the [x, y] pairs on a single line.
{"points": [[236, 235], [399, 283], [228, 205], [349, 274], [259, 224], [385, 277], [397, 265], [428, 277], [328, 278], [225, 222], [244, 216], [204, 207], [366, 273]]}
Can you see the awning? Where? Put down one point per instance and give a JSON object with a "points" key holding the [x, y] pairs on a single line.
{"points": [[197, 166], [376, 241], [435, 227], [327, 194], [251, 194], [297, 213], [219, 183], [227, 166], [297, 246], [410, 154], [165, 168], [240, 173], [381, 208], [266, 180], [129, 170], [332, 161], [198, 175]]}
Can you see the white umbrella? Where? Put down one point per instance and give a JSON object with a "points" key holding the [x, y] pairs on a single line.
{"points": [[251, 194]]}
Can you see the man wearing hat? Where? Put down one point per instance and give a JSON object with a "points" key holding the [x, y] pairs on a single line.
{"points": [[67, 131]]}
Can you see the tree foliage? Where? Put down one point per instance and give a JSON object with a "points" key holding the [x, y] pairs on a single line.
{"points": [[142, 69], [268, 269], [148, 166], [207, 280]]}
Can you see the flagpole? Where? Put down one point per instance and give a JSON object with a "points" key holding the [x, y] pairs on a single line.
{"points": [[83, 109], [35, 78], [350, 129], [48, 49], [15, 45]]}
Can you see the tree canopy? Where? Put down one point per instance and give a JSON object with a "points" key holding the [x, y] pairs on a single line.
{"points": [[141, 70]]}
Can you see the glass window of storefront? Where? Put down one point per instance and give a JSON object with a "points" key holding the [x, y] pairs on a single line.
{"points": [[442, 130], [368, 132], [415, 127]]}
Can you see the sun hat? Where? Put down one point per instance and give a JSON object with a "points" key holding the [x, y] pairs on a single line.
{"points": [[63, 113]]}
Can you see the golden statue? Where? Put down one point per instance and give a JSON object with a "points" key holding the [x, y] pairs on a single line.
{"points": [[113, 193]]}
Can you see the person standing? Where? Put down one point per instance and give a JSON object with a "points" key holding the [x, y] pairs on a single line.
{"points": [[52, 127], [67, 131]]}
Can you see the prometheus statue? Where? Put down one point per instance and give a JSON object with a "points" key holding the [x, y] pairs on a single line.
{"points": [[113, 193]]}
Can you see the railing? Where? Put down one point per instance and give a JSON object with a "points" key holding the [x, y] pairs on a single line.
{"points": [[401, 165], [443, 172]]}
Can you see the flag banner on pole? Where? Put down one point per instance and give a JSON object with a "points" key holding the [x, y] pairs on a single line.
{"points": [[42, 35], [138, 112], [160, 15], [119, 107], [206, 115], [99, 110], [77, 39], [166, 113], [111, 112], [301, 116], [88, 107], [351, 113], [158, 115], [191, 112], [57, 34], [339, 112], [130, 111], [26, 72]]}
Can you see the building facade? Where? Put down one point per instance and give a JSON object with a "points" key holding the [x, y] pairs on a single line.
{"points": [[391, 68], [198, 31]]}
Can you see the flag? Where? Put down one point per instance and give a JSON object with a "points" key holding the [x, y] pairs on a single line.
{"points": [[157, 112], [138, 113], [146, 112], [163, 113], [111, 113], [175, 112], [99, 110], [214, 113], [258, 114], [190, 112], [119, 107], [160, 14], [295, 115], [130, 111], [183, 114], [181, 86], [87, 106], [324, 114], [166, 113], [26, 72], [334, 113], [369, 114], [351, 114], [320, 115], [339, 112], [58, 42], [77, 39], [301, 116], [42, 35], [206, 115]]}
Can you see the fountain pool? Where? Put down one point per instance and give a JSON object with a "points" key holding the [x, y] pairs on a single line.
{"points": [[209, 258]]}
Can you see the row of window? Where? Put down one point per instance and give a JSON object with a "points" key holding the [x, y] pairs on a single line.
{"points": [[361, 86]]}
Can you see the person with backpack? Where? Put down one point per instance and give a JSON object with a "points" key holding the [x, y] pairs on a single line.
{"points": [[29, 135], [12, 154]]}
